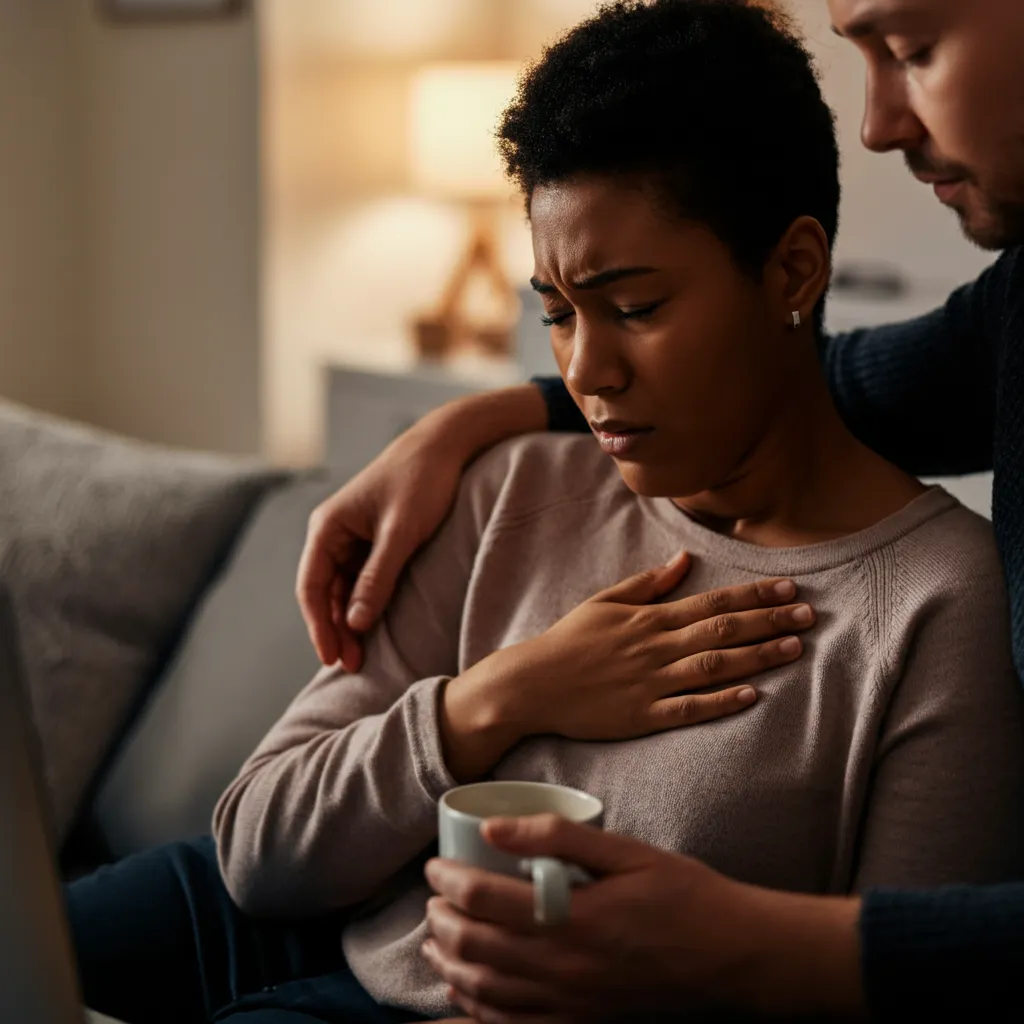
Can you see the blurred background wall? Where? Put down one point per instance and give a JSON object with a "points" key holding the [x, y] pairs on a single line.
{"points": [[40, 204], [129, 221]]}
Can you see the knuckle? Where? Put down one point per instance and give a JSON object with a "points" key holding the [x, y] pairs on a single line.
{"points": [[436, 907], [488, 986], [639, 650], [369, 579], [686, 710], [709, 664], [646, 618], [724, 627], [661, 715], [459, 942], [469, 894], [714, 602], [477, 982]]}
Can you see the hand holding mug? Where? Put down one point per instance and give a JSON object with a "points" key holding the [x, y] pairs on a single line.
{"points": [[654, 932], [462, 812]]}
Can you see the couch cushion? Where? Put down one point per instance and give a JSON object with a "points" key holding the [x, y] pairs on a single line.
{"points": [[246, 654], [105, 544]]}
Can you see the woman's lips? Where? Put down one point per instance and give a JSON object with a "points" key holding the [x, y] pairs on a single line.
{"points": [[621, 442]]}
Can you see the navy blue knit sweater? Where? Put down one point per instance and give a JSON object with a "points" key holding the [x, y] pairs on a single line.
{"points": [[942, 394]]}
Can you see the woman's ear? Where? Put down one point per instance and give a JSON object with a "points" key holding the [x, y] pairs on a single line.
{"points": [[799, 271]]}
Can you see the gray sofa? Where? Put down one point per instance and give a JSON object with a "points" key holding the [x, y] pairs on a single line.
{"points": [[154, 598], [242, 655]]}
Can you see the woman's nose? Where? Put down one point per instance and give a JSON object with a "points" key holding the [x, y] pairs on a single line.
{"points": [[598, 365], [889, 121]]}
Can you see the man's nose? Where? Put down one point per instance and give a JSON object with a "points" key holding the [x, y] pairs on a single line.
{"points": [[889, 121]]}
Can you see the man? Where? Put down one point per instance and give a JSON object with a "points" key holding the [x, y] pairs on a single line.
{"points": [[942, 394]]}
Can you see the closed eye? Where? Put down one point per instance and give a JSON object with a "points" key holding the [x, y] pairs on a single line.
{"points": [[640, 312], [554, 319], [919, 58]]}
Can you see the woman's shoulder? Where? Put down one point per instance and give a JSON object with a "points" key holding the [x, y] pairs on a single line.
{"points": [[955, 548], [947, 570], [535, 472]]}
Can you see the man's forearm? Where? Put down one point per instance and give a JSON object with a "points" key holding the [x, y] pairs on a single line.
{"points": [[475, 423], [806, 959]]}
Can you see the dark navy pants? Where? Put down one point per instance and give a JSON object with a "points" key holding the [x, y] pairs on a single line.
{"points": [[159, 941]]}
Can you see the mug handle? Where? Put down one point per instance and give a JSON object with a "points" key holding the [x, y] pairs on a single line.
{"points": [[552, 888]]}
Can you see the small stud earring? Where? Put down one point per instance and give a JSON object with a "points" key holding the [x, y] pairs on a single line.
{"points": [[796, 319]]}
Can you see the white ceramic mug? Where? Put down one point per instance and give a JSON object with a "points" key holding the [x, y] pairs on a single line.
{"points": [[461, 811]]}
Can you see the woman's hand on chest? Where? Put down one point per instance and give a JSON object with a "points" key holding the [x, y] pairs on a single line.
{"points": [[620, 666]]}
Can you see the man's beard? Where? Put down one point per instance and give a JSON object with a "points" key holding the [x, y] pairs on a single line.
{"points": [[1003, 225]]}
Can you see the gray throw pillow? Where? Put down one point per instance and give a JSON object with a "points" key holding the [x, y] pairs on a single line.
{"points": [[105, 544], [245, 656]]}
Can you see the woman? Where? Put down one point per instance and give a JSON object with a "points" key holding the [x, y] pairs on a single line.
{"points": [[683, 256]]}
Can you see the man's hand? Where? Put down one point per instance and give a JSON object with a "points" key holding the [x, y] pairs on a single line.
{"points": [[362, 536], [655, 933], [360, 539]]}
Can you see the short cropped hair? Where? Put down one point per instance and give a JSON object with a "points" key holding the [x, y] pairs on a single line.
{"points": [[715, 103]]}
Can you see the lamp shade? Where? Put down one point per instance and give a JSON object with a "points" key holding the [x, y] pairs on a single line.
{"points": [[455, 109]]}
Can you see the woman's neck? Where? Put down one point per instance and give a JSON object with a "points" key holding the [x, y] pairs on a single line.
{"points": [[806, 480]]}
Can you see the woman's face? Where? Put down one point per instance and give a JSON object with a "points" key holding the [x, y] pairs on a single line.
{"points": [[676, 357]]}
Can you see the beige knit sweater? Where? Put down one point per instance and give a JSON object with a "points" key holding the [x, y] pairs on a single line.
{"points": [[891, 752]]}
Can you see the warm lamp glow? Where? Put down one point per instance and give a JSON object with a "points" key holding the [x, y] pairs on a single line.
{"points": [[455, 112]]}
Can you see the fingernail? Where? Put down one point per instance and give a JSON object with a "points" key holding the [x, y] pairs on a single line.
{"points": [[802, 614], [747, 695], [785, 589], [359, 617], [790, 646], [675, 559]]}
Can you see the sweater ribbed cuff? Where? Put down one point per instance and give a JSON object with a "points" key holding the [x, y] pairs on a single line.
{"points": [[423, 727]]}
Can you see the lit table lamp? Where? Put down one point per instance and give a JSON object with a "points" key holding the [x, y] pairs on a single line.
{"points": [[455, 111]]}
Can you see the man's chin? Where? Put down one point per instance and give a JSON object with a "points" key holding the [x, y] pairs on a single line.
{"points": [[990, 236], [992, 227]]}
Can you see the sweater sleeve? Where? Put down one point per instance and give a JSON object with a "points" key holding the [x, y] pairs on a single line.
{"points": [[342, 793], [563, 413], [922, 393], [950, 954], [945, 803]]}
